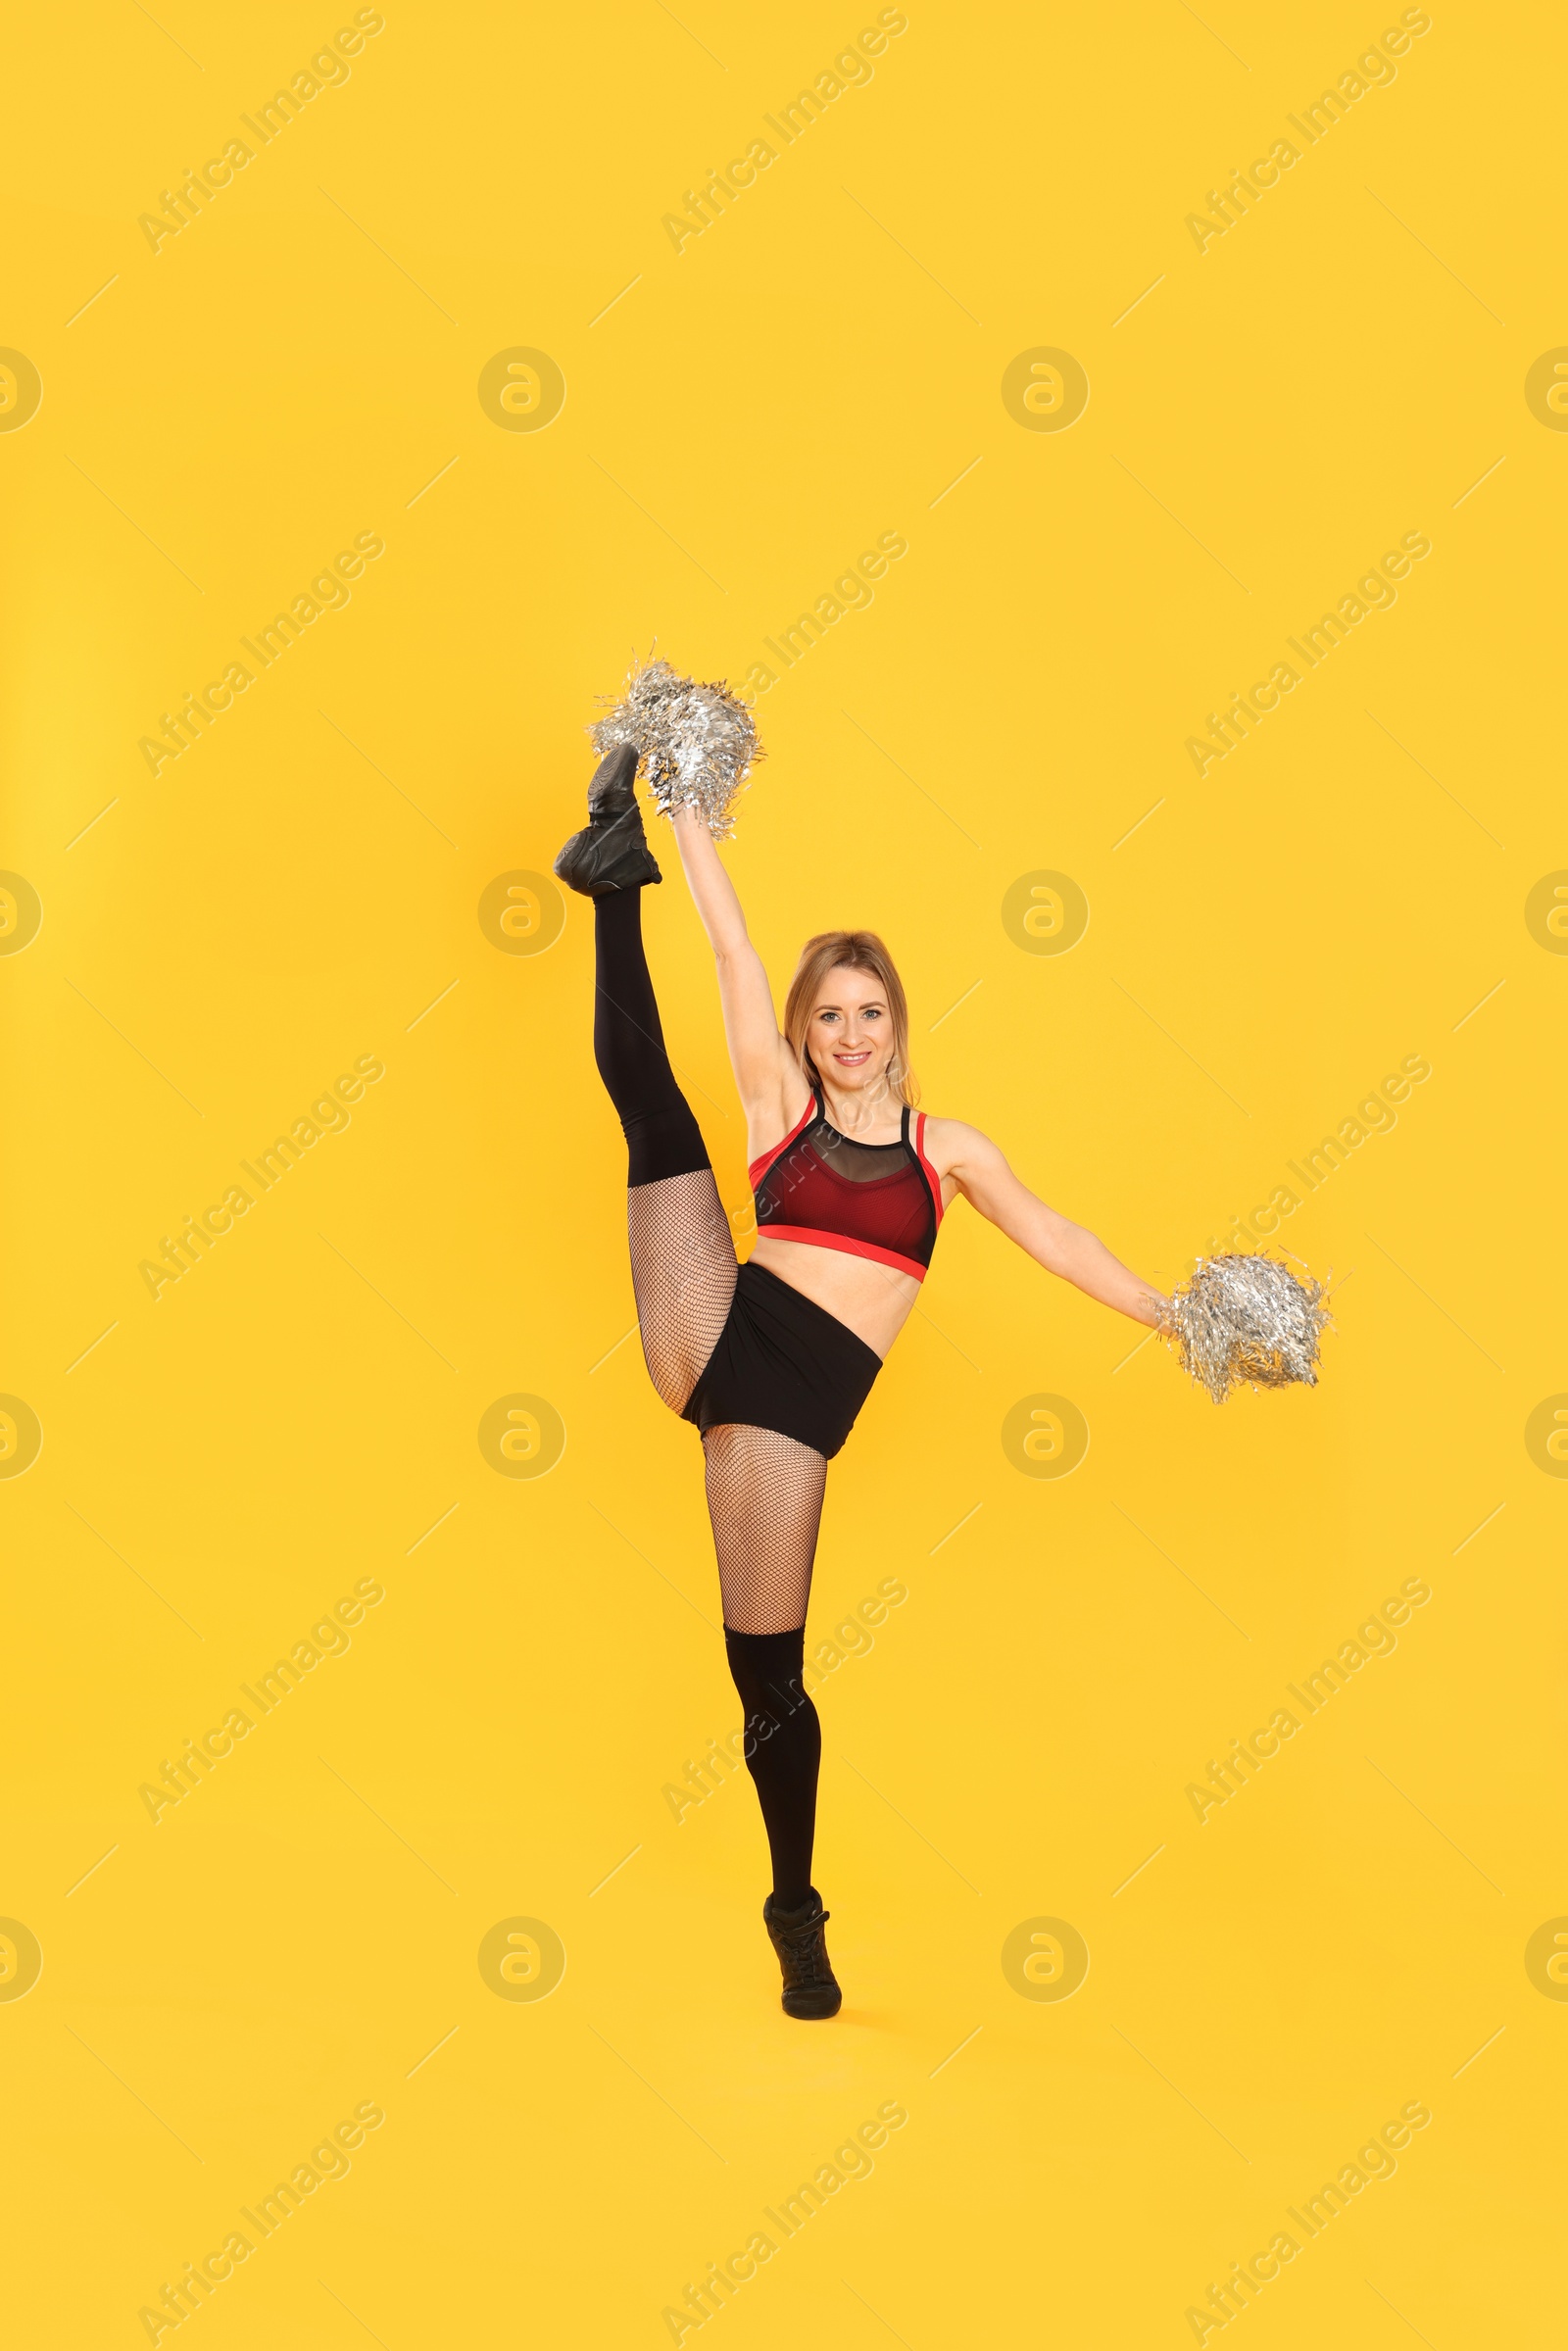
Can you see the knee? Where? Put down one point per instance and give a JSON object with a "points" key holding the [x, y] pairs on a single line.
{"points": [[767, 1669], [664, 1141]]}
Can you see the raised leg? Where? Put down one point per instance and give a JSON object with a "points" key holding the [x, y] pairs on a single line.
{"points": [[683, 1249], [683, 1274]]}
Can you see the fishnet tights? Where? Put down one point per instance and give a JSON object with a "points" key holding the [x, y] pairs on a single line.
{"points": [[764, 1490], [683, 1272], [764, 1498]]}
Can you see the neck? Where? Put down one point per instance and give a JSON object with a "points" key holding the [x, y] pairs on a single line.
{"points": [[864, 1109]]}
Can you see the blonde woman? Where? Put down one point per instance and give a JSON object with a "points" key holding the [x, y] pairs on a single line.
{"points": [[771, 1360]]}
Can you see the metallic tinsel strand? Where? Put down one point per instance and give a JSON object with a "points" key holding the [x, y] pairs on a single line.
{"points": [[696, 745], [1246, 1320]]}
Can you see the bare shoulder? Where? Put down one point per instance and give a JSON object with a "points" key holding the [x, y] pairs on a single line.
{"points": [[956, 1149]]}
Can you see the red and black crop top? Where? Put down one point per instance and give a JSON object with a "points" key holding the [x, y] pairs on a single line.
{"points": [[881, 1200]]}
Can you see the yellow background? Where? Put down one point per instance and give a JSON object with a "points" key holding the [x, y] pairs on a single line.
{"points": [[296, 890]]}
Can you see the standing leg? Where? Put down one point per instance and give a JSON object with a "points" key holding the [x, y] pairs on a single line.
{"points": [[764, 1498]]}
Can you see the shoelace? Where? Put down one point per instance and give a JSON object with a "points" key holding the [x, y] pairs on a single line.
{"points": [[805, 1945]]}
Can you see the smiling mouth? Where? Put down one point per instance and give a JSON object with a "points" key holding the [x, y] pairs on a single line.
{"points": [[852, 1060]]}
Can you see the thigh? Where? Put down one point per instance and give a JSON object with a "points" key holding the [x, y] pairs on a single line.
{"points": [[764, 1498], [683, 1271]]}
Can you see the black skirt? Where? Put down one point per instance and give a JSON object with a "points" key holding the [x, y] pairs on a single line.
{"points": [[783, 1362]]}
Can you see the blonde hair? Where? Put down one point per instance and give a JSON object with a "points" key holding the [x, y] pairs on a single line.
{"points": [[850, 950]]}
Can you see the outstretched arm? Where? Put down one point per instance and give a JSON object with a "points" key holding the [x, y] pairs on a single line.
{"points": [[759, 1055], [1054, 1241]]}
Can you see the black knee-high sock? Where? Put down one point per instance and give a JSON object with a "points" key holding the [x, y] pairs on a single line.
{"points": [[663, 1138], [783, 1751]]}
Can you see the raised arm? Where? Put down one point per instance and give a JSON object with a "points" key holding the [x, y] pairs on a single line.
{"points": [[985, 1179], [761, 1062]]}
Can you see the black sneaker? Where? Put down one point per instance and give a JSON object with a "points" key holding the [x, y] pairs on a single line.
{"points": [[810, 1987], [612, 852]]}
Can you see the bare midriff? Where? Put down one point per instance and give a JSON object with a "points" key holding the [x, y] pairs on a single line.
{"points": [[875, 1301]]}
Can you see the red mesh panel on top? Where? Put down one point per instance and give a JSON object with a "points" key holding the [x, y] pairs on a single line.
{"points": [[874, 1192]]}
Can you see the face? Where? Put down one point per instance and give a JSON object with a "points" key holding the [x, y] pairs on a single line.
{"points": [[851, 1036]]}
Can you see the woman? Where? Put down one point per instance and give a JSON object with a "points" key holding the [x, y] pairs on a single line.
{"points": [[772, 1360]]}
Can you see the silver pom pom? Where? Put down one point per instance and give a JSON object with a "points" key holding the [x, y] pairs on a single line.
{"points": [[696, 745], [1246, 1320]]}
